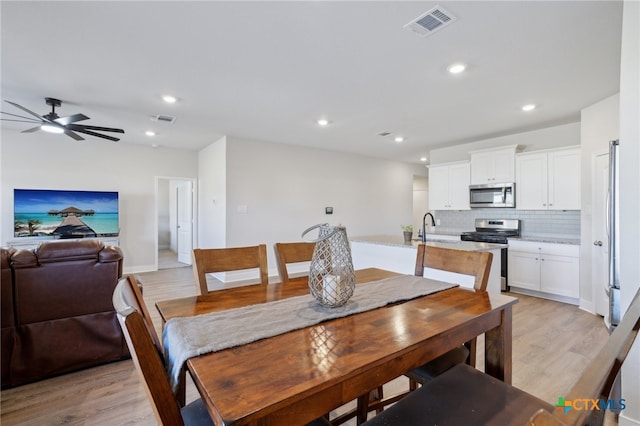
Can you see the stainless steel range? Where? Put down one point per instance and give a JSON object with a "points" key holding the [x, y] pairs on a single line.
{"points": [[495, 231]]}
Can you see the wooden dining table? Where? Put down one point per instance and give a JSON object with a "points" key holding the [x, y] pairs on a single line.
{"points": [[295, 377]]}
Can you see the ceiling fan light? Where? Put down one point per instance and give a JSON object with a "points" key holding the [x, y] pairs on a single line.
{"points": [[52, 128], [457, 68]]}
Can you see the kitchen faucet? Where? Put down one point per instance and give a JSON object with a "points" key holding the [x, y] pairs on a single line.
{"points": [[424, 226]]}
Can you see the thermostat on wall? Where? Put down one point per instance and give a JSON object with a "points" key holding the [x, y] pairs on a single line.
{"points": [[328, 210]]}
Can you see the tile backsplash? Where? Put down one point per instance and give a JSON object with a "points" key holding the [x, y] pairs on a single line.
{"points": [[533, 222]]}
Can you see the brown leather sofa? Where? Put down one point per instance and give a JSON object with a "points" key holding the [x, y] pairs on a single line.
{"points": [[57, 315]]}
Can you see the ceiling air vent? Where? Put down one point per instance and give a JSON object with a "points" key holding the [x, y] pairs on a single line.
{"points": [[430, 22], [164, 118]]}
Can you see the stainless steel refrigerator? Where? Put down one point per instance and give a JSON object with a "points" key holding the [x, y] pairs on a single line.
{"points": [[613, 231]]}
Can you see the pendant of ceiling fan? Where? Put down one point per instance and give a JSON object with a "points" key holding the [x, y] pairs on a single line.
{"points": [[53, 123]]}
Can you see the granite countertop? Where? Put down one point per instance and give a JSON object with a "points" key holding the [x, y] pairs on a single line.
{"points": [[398, 241], [437, 230], [547, 239]]}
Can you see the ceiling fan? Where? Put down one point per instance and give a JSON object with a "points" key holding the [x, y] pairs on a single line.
{"points": [[53, 123]]}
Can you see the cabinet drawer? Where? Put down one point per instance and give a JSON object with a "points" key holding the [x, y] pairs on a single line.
{"points": [[545, 248]]}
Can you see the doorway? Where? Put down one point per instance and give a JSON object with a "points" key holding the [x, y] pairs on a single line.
{"points": [[420, 201], [175, 222]]}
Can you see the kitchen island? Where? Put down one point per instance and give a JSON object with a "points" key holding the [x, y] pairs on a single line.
{"points": [[393, 254]]}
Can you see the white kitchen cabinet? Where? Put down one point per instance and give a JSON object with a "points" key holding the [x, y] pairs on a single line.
{"points": [[546, 269], [564, 179], [524, 269], [449, 186], [493, 165], [548, 180]]}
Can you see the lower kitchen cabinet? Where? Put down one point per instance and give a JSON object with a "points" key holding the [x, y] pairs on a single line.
{"points": [[545, 269]]}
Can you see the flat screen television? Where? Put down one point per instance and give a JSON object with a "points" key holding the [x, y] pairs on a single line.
{"points": [[65, 214]]}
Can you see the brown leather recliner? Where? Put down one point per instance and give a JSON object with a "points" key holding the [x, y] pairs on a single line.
{"points": [[57, 314]]}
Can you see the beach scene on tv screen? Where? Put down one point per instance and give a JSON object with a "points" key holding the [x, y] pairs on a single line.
{"points": [[65, 214]]}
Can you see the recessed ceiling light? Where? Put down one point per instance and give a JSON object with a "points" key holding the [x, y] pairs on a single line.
{"points": [[51, 128], [423, 159], [150, 133], [169, 99], [529, 107], [399, 139], [457, 68], [323, 122]]}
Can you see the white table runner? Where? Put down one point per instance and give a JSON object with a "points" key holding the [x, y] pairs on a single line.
{"points": [[187, 337]]}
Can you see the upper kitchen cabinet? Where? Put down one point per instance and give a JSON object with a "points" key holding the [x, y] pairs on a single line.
{"points": [[548, 180], [493, 165], [449, 186]]}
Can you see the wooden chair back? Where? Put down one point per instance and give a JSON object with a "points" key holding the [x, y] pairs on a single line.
{"points": [[207, 261], [597, 380], [291, 253], [474, 263], [131, 310]]}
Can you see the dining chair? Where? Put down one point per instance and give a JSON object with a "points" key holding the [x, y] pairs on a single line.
{"points": [[475, 264], [206, 261], [146, 352], [465, 396], [287, 253]]}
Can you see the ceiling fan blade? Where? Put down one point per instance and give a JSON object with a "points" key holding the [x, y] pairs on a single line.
{"points": [[71, 119], [88, 132], [32, 120], [31, 130], [41, 118], [79, 127], [73, 135], [19, 121]]}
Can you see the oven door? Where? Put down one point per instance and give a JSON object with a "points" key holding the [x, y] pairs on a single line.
{"points": [[492, 195]]}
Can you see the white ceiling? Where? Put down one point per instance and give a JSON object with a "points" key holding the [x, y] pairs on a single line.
{"points": [[267, 70]]}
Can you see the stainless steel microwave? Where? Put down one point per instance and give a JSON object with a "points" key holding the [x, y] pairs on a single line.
{"points": [[492, 195]]}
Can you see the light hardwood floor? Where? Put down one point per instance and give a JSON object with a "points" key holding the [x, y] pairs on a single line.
{"points": [[168, 259], [552, 343]]}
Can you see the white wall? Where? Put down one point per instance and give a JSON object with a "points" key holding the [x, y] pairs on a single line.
{"points": [[285, 190], [45, 161], [551, 137], [212, 195], [599, 124], [630, 195]]}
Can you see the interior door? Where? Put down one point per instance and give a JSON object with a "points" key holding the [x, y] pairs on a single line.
{"points": [[184, 214], [600, 247]]}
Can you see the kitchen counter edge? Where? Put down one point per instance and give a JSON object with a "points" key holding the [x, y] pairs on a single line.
{"points": [[388, 240]]}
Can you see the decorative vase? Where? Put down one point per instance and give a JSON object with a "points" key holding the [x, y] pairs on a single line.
{"points": [[332, 278], [408, 235]]}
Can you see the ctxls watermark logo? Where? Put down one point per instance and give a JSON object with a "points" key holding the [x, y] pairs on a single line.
{"points": [[591, 404]]}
